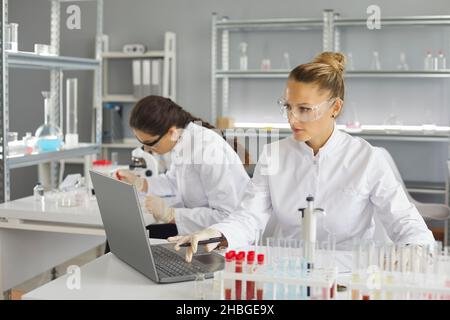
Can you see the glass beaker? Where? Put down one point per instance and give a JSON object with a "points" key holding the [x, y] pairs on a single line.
{"points": [[72, 112], [11, 37], [49, 136]]}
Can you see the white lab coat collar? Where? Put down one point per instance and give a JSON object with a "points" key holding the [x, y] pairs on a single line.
{"points": [[329, 147]]}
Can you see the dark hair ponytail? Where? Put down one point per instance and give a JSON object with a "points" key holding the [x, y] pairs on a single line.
{"points": [[155, 115]]}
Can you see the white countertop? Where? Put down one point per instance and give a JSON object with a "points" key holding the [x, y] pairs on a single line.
{"points": [[87, 214], [110, 278]]}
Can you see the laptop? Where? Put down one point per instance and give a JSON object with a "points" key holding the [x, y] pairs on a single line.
{"points": [[128, 238]]}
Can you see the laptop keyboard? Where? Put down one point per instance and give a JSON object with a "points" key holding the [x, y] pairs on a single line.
{"points": [[171, 264]]}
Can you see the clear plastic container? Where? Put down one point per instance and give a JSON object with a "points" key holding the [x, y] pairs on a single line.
{"points": [[49, 136]]}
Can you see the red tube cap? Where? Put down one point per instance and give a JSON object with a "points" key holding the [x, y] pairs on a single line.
{"points": [[260, 258]]}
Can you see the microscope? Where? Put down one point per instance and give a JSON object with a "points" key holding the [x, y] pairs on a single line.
{"points": [[143, 163]]}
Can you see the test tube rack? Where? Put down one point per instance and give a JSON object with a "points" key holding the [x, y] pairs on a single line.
{"points": [[322, 283]]}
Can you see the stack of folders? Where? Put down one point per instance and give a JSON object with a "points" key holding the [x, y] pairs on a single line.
{"points": [[147, 77]]}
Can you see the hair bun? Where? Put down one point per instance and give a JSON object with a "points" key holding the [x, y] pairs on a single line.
{"points": [[334, 59]]}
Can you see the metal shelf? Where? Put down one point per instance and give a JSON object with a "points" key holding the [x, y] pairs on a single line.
{"points": [[122, 145], [126, 98], [397, 74], [31, 60], [83, 149], [123, 55], [277, 74], [398, 21], [264, 24], [440, 135], [272, 74]]}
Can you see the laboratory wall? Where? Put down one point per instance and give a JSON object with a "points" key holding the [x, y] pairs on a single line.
{"points": [[372, 101]]}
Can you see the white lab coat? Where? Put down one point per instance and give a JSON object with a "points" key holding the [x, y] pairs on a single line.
{"points": [[349, 179], [206, 175]]}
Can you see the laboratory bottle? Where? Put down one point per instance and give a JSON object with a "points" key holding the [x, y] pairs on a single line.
{"points": [[440, 61], [38, 192], [428, 62]]}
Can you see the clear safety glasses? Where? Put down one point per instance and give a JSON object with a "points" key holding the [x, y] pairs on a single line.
{"points": [[304, 112]]}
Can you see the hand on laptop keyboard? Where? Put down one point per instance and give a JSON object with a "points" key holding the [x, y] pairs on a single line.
{"points": [[194, 238]]}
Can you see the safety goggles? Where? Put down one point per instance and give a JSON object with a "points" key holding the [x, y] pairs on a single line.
{"points": [[304, 112], [150, 144]]}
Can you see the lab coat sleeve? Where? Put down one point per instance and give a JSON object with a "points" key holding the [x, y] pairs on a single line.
{"points": [[224, 185], [241, 227], [163, 184], [401, 219]]}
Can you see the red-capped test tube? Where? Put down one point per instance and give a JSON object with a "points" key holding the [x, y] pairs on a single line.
{"points": [[260, 284], [229, 267], [238, 283], [250, 289]]}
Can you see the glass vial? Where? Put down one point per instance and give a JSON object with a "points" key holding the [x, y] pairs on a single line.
{"points": [[72, 112], [38, 192], [376, 65], [440, 61], [403, 65], [243, 58]]}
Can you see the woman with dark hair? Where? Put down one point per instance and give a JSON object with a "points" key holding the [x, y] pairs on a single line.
{"points": [[206, 174]]}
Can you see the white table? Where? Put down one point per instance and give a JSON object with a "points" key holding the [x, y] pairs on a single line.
{"points": [[110, 278], [35, 236]]}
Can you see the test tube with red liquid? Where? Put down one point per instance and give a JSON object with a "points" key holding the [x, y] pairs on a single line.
{"points": [[259, 284], [229, 267], [250, 289]]}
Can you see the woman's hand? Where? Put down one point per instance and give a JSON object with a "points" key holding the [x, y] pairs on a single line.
{"points": [[159, 209], [129, 177], [194, 238]]}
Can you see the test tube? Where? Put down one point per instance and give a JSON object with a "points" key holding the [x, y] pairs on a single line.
{"points": [[390, 267], [71, 112], [293, 248], [259, 284], [229, 267], [250, 285], [238, 283], [280, 265], [356, 256], [270, 268]]}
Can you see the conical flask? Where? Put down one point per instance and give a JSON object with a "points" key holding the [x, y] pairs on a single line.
{"points": [[49, 136]]}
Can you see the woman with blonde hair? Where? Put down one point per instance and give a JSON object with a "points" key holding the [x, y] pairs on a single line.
{"points": [[350, 179]]}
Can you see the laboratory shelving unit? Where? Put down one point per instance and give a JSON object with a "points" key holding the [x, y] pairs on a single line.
{"points": [[330, 24], [168, 55], [56, 65]]}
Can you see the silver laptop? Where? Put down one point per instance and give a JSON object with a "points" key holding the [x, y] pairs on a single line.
{"points": [[129, 239]]}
